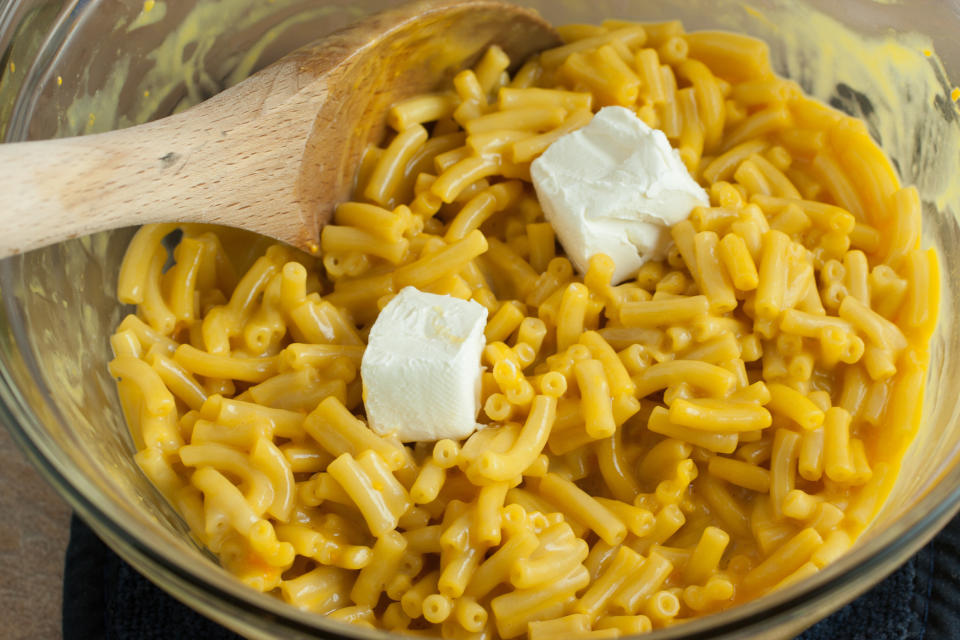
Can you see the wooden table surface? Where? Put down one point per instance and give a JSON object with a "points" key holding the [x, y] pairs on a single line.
{"points": [[34, 529]]}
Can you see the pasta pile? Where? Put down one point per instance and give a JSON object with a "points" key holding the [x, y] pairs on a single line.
{"points": [[721, 425]]}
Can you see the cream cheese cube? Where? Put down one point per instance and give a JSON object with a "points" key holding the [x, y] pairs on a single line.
{"points": [[421, 368], [616, 186]]}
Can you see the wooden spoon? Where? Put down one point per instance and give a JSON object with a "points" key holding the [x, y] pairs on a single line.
{"points": [[273, 154]]}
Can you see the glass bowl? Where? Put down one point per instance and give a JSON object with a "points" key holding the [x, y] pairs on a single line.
{"points": [[81, 66]]}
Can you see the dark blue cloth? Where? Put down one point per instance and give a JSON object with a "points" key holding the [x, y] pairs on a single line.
{"points": [[103, 597]]}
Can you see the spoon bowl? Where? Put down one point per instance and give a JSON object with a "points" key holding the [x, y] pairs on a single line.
{"points": [[274, 154]]}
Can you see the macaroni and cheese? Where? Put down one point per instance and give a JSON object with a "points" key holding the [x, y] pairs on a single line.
{"points": [[721, 424]]}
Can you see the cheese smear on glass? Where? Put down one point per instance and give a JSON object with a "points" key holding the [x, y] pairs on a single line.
{"points": [[421, 368], [616, 186]]}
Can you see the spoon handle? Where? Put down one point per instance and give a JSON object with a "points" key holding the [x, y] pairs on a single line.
{"points": [[232, 160], [64, 188]]}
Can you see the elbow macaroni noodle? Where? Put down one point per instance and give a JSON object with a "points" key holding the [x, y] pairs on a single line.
{"points": [[722, 425]]}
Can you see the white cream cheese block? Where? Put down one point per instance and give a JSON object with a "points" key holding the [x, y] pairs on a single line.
{"points": [[615, 186], [421, 368]]}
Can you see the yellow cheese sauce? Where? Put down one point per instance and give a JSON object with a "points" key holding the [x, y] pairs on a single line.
{"points": [[177, 71], [894, 83]]}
